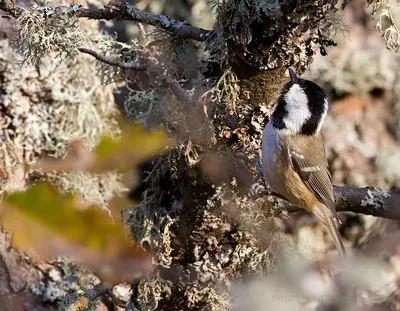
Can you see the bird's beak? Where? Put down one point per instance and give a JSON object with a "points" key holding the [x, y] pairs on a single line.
{"points": [[293, 76]]}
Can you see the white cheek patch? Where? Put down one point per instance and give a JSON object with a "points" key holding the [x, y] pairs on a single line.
{"points": [[297, 108]]}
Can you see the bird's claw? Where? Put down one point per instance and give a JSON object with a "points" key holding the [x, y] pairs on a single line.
{"points": [[258, 190]]}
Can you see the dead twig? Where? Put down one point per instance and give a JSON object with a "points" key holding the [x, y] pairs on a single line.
{"points": [[174, 86], [138, 66]]}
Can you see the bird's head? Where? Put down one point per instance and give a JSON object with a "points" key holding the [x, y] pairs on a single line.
{"points": [[301, 107]]}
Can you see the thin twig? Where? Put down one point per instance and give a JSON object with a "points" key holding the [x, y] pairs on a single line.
{"points": [[179, 92], [142, 33], [174, 86], [138, 66]]}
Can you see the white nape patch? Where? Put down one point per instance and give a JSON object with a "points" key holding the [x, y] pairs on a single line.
{"points": [[297, 108], [321, 121]]}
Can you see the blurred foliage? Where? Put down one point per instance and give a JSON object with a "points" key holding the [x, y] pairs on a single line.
{"points": [[55, 224], [59, 213], [133, 146]]}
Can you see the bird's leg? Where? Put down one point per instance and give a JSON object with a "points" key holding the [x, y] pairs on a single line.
{"points": [[256, 161], [259, 189]]}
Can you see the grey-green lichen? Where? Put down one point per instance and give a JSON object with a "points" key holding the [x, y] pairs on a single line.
{"points": [[216, 300], [175, 54], [387, 13], [150, 292], [45, 108], [240, 23], [108, 46], [150, 222], [222, 248], [140, 105], [56, 103], [63, 277], [39, 33], [375, 197]]}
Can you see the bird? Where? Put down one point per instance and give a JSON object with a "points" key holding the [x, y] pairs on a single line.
{"points": [[294, 161]]}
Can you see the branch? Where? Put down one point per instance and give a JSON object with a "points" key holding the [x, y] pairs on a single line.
{"points": [[174, 86], [128, 12], [179, 92], [368, 201], [138, 66]]}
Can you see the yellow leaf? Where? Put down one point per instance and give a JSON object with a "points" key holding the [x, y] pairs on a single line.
{"points": [[55, 224], [135, 145]]}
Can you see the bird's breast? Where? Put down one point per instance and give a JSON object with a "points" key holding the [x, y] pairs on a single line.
{"points": [[271, 154]]}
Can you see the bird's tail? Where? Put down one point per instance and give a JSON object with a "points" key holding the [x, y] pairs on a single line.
{"points": [[325, 215]]}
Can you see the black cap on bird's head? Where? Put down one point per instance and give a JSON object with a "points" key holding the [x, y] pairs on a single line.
{"points": [[302, 106]]}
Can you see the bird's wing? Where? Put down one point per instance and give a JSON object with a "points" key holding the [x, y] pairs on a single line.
{"points": [[312, 167]]}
